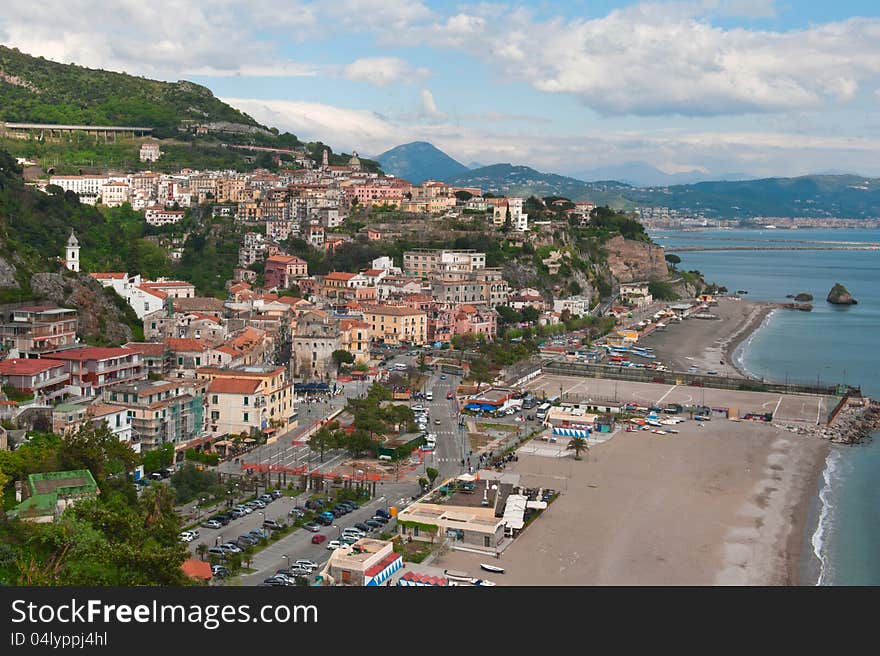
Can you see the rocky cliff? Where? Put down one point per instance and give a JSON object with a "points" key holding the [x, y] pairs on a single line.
{"points": [[632, 261], [104, 317]]}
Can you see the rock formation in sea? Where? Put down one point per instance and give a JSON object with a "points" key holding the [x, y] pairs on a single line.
{"points": [[839, 295], [803, 297]]}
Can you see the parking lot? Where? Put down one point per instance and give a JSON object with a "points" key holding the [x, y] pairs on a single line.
{"points": [[785, 407]]}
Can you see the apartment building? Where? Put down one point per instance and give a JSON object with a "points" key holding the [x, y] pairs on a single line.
{"points": [[161, 411], [36, 329], [159, 216], [317, 336], [92, 368], [423, 261], [395, 325], [282, 271], [44, 378], [250, 400], [484, 286]]}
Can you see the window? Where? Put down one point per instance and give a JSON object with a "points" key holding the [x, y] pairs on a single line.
{"points": [[214, 398], [246, 416], [215, 415], [486, 541], [180, 361]]}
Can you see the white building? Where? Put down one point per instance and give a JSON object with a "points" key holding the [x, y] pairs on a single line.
{"points": [[114, 194], [518, 219], [578, 306], [159, 216], [150, 152], [71, 257]]}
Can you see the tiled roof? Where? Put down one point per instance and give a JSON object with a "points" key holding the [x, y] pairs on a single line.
{"points": [[197, 569], [92, 353], [27, 366], [112, 275], [233, 386], [146, 348], [339, 275], [185, 344]]}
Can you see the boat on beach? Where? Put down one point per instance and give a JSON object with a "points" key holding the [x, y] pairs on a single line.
{"points": [[455, 575], [492, 568], [483, 582]]}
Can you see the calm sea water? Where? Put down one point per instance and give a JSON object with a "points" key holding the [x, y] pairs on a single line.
{"points": [[830, 344]]}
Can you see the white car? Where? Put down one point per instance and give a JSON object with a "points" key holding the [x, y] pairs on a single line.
{"points": [[188, 536], [306, 564], [416, 408], [334, 544]]}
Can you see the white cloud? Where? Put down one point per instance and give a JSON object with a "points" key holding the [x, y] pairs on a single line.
{"points": [[382, 71], [654, 59], [160, 38], [428, 107], [755, 153]]}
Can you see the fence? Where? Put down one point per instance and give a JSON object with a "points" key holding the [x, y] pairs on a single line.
{"points": [[682, 378]]}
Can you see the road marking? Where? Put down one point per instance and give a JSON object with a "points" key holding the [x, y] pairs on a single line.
{"points": [[818, 410], [776, 409], [668, 392]]}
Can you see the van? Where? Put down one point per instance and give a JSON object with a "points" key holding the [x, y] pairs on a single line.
{"points": [[429, 396], [385, 458]]}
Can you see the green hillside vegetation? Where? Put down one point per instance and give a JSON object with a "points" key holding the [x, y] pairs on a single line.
{"points": [[49, 92]]}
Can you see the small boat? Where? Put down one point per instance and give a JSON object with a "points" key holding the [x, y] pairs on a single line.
{"points": [[455, 575], [492, 568], [483, 582]]}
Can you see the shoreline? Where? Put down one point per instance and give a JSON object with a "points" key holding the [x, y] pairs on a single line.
{"points": [[762, 312], [800, 539]]}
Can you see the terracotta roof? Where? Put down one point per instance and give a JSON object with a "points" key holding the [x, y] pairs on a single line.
{"points": [[373, 272], [185, 344], [102, 409], [153, 292], [469, 309], [233, 386], [114, 275], [207, 317], [285, 259], [197, 569], [92, 353], [228, 350], [146, 348], [339, 275], [27, 366]]}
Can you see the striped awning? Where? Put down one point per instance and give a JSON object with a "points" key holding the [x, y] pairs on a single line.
{"points": [[385, 573], [571, 432]]}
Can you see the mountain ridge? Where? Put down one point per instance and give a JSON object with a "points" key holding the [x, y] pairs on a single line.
{"points": [[418, 161]]}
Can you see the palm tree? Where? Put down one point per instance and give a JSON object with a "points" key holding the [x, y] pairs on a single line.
{"points": [[578, 444], [202, 550]]}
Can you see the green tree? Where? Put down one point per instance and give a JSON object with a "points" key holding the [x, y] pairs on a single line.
{"points": [[673, 259], [97, 449], [202, 550], [479, 371], [324, 438], [432, 474], [341, 356], [578, 444]]}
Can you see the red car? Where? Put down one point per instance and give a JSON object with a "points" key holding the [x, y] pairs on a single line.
{"points": [[449, 395], [317, 538]]}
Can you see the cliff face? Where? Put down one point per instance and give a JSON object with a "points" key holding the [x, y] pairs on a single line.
{"points": [[103, 316], [633, 261]]}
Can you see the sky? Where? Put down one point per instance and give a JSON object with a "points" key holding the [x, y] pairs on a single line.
{"points": [[721, 87]]}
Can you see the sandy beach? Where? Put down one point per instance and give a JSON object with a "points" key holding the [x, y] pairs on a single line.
{"points": [[719, 505], [707, 344]]}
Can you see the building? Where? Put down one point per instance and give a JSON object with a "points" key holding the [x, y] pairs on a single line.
{"points": [[482, 286], [471, 513], [422, 261], [282, 271], [44, 378], [92, 369], [150, 152], [396, 325], [317, 336], [577, 306], [159, 216], [161, 411], [635, 293], [49, 494], [36, 329], [250, 400], [366, 563], [71, 257]]}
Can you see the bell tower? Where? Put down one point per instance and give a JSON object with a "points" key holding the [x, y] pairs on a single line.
{"points": [[71, 259]]}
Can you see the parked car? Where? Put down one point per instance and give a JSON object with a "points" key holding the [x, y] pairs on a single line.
{"points": [[384, 513], [353, 504], [373, 524], [362, 527], [237, 512], [313, 527], [272, 524], [212, 523], [324, 520], [266, 498], [277, 580], [315, 504], [334, 544], [219, 571], [231, 547], [276, 494], [217, 551], [306, 564], [343, 509], [296, 512], [349, 538], [380, 519], [188, 536], [258, 533], [256, 504], [247, 540], [317, 538]]}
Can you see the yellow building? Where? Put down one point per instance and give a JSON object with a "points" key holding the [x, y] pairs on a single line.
{"points": [[395, 325], [250, 400]]}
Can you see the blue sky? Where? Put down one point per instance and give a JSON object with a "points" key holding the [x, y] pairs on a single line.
{"points": [[760, 87]]}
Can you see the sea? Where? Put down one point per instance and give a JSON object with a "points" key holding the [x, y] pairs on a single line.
{"points": [[832, 344]]}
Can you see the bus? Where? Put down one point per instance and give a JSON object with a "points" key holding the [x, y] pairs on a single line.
{"points": [[543, 409]]}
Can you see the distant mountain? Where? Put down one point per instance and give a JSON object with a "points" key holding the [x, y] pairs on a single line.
{"points": [[475, 165], [642, 174], [419, 161], [822, 196], [510, 180]]}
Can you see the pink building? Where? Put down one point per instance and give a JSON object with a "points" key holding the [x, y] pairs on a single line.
{"points": [[479, 321], [92, 368], [44, 378], [282, 271]]}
